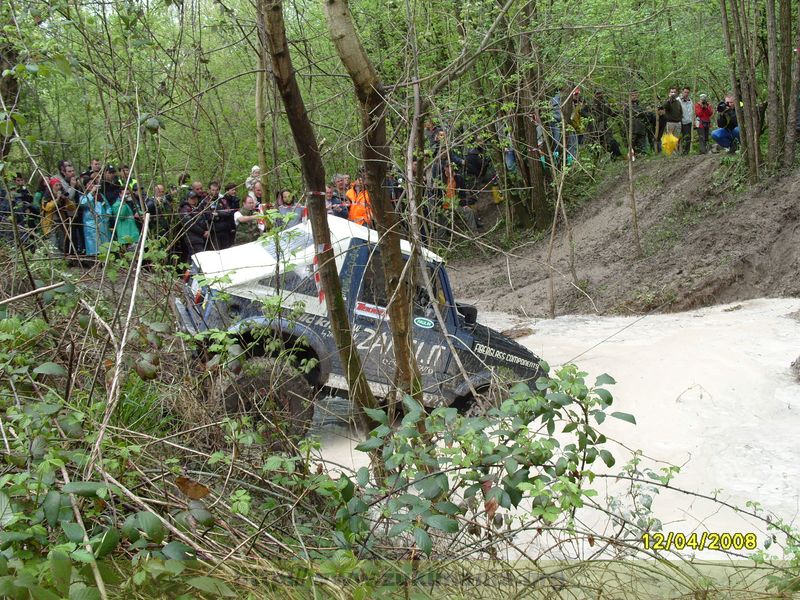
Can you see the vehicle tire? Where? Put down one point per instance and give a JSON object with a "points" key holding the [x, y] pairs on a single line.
{"points": [[489, 397], [273, 390]]}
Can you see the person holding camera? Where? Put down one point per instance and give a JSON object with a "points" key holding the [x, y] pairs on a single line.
{"points": [[727, 132], [703, 111]]}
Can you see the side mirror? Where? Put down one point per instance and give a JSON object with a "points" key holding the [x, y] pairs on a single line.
{"points": [[469, 312]]}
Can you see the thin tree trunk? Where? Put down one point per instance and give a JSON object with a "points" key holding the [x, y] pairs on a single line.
{"points": [[791, 116], [261, 116], [631, 188], [305, 139], [375, 151], [774, 109]]}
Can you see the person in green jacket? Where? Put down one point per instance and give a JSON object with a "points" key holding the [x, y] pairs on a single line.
{"points": [[127, 231]]}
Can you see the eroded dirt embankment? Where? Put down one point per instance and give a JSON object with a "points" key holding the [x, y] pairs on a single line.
{"points": [[703, 244]]}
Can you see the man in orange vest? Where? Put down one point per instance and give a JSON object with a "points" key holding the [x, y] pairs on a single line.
{"points": [[360, 211]]}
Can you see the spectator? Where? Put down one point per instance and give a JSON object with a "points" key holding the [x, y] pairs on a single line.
{"points": [[637, 119], [183, 188], [456, 199], [230, 194], [339, 201], [703, 112], [255, 176], [673, 111], [25, 211], [567, 113], [109, 187], [247, 221], [281, 196], [687, 118], [360, 203], [195, 224], [291, 212], [125, 227], [56, 210], [213, 191], [200, 194], [727, 132], [443, 155], [96, 214], [71, 186], [159, 208], [478, 168], [93, 171], [600, 129], [221, 220]]}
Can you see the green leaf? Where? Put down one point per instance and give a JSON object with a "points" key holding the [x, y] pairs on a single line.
{"points": [[447, 508], [73, 531], [604, 379], [423, 540], [370, 444], [151, 525], [82, 555], [377, 415], [108, 541], [61, 570], [607, 458], [442, 522], [605, 396], [211, 585], [624, 417], [129, 530], [62, 64], [6, 512], [39, 593], [50, 368], [82, 592], [599, 416], [178, 551]]}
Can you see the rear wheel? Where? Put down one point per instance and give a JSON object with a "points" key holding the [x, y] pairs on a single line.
{"points": [[488, 397], [273, 390]]}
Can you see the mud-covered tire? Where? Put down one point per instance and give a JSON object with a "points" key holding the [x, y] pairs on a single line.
{"points": [[273, 390], [488, 398]]}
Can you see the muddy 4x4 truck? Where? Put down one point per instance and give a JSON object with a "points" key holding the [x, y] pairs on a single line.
{"points": [[270, 286]]}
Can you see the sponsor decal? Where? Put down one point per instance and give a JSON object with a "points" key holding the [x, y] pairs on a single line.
{"points": [[423, 322], [490, 352], [371, 310]]}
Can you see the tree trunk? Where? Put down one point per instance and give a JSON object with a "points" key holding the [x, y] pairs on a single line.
{"points": [[261, 116], [271, 13], [375, 152], [9, 90], [791, 116], [775, 114]]}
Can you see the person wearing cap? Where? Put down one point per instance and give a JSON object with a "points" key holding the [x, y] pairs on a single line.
{"points": [[255, 175], [703, 111], [110, 187]]}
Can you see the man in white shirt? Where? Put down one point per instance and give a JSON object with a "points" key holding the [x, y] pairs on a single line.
{"points": [[687, 120]]}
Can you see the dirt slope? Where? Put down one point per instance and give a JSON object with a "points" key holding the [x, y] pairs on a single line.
{"points": [[703, 244]]}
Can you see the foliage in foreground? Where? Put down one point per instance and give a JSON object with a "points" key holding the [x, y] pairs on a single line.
{"points": [[172, 499]]}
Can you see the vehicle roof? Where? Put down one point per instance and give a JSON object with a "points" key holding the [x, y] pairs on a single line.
{"points": [[247, 262]]}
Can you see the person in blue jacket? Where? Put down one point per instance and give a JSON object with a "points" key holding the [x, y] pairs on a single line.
{"points": [[96, 214]]}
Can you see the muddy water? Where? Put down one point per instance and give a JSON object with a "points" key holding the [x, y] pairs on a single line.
{"points": [[711, 391]]}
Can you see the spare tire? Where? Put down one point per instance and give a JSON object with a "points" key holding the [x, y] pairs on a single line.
{"points": [[272, 389]]}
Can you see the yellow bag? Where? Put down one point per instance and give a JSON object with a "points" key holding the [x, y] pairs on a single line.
{"points": [[669, 143], [497, 197]]}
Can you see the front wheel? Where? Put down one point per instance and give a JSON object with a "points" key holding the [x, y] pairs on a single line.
{"points": [[273, 390]]}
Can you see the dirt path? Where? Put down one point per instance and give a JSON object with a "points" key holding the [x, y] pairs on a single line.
{"points": [[703, 244]]}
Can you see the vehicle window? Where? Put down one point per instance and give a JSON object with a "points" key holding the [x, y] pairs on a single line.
{"points": [[373, 284], [423, 305], [298, 280]]}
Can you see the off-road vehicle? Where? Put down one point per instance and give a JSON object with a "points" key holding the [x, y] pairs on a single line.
{"points": [[270, 285]]}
